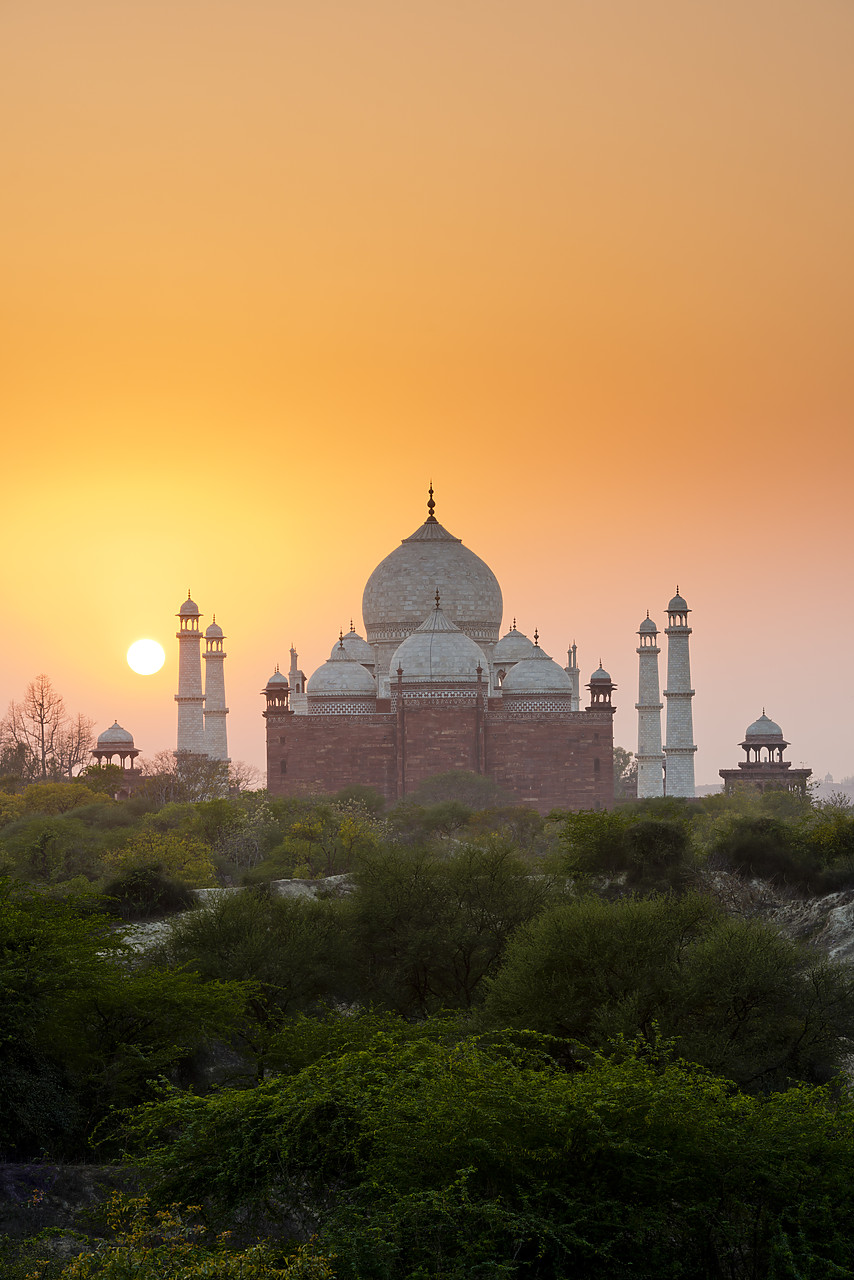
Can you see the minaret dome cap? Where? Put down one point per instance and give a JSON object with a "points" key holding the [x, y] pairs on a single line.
{"points": [[678, 604], [214, 632], [648, 627], [189, 609], [600, 674]]}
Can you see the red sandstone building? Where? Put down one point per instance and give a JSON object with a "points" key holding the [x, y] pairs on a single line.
{"points": [[432, 688], [764, 768]]}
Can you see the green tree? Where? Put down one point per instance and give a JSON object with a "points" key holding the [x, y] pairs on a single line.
{"points": [[81, 1029], [179, 857], [735, 995], [290, 953], [428, 930]]}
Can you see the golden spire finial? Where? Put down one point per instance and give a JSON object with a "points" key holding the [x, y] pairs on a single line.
{"points": [[437, 597], [536, 638], [431, 505]]}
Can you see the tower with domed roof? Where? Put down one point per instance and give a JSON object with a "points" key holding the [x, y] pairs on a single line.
{"points": [[216, 736], [650, 757], [190, 698], [679, 745]]}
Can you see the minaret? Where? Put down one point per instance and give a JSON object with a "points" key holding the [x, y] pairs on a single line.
{"points": [[679, 748], [190, 699], [216, 740], [574, 674], [650, 757]]}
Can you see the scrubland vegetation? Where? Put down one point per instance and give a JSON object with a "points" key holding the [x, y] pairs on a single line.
{"points": [[488, 1044]]}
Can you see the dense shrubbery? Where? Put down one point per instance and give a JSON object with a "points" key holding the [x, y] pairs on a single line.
{"points": [[484, 1053], [412, 1156]]}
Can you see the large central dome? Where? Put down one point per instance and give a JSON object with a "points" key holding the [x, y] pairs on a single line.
{"points": [[400, 592]]}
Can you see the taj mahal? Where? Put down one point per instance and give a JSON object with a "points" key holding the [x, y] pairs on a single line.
{"points": [[433, 686]]}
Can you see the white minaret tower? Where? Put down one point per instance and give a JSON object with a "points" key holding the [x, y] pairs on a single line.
{"points": [[190, 699], [574, 674], [216, 740], [650, 756], [679, 748]]}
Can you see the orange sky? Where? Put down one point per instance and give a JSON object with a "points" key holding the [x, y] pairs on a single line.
{"points": [[269, 267]]}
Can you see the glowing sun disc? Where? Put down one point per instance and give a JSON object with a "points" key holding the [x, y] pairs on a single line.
{"points": [[145, 657]]}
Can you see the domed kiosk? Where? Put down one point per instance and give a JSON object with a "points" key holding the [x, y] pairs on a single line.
{"points": [[114, 743], [764, 768], [431, 689]]}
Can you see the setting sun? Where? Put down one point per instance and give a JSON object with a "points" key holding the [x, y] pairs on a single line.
{"points": [[145, 657]]}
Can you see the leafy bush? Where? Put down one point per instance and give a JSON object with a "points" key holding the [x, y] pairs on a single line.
{"points": [[735, 995], [419, 1158], [171, 1244], [142, 892]]}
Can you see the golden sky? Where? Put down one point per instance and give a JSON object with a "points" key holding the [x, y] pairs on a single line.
{"points": [[269, 267]]}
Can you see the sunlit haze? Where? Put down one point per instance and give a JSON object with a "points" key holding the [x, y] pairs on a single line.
{"points": [[269, 268]]}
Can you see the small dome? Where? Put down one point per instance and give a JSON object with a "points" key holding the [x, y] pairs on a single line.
{"points": [[512, 647], [600, 674], [678, 604], [355, 647], [341, 677], [438, 650], [536, 674], [214, 632], [115, 736], [648, 625], [763, 728], [189, 609], [277, 678]]}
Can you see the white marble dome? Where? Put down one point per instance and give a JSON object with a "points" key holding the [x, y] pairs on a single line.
{"points": [[189, 609], [277, 678], [439, 651], [115, 736], [341, 677], [678, 604], [512, 647], [647, 625], [764, 727], [600, 675], [355, 647], [214, 632], [399, 592], [536, 675]]}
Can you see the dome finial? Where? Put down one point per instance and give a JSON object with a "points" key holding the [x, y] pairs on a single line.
{"points": [[513, 628], [437, 597], [431, 505], [536, 638], [352, 628], [341, 638], [188, 593], [647, 613]]}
